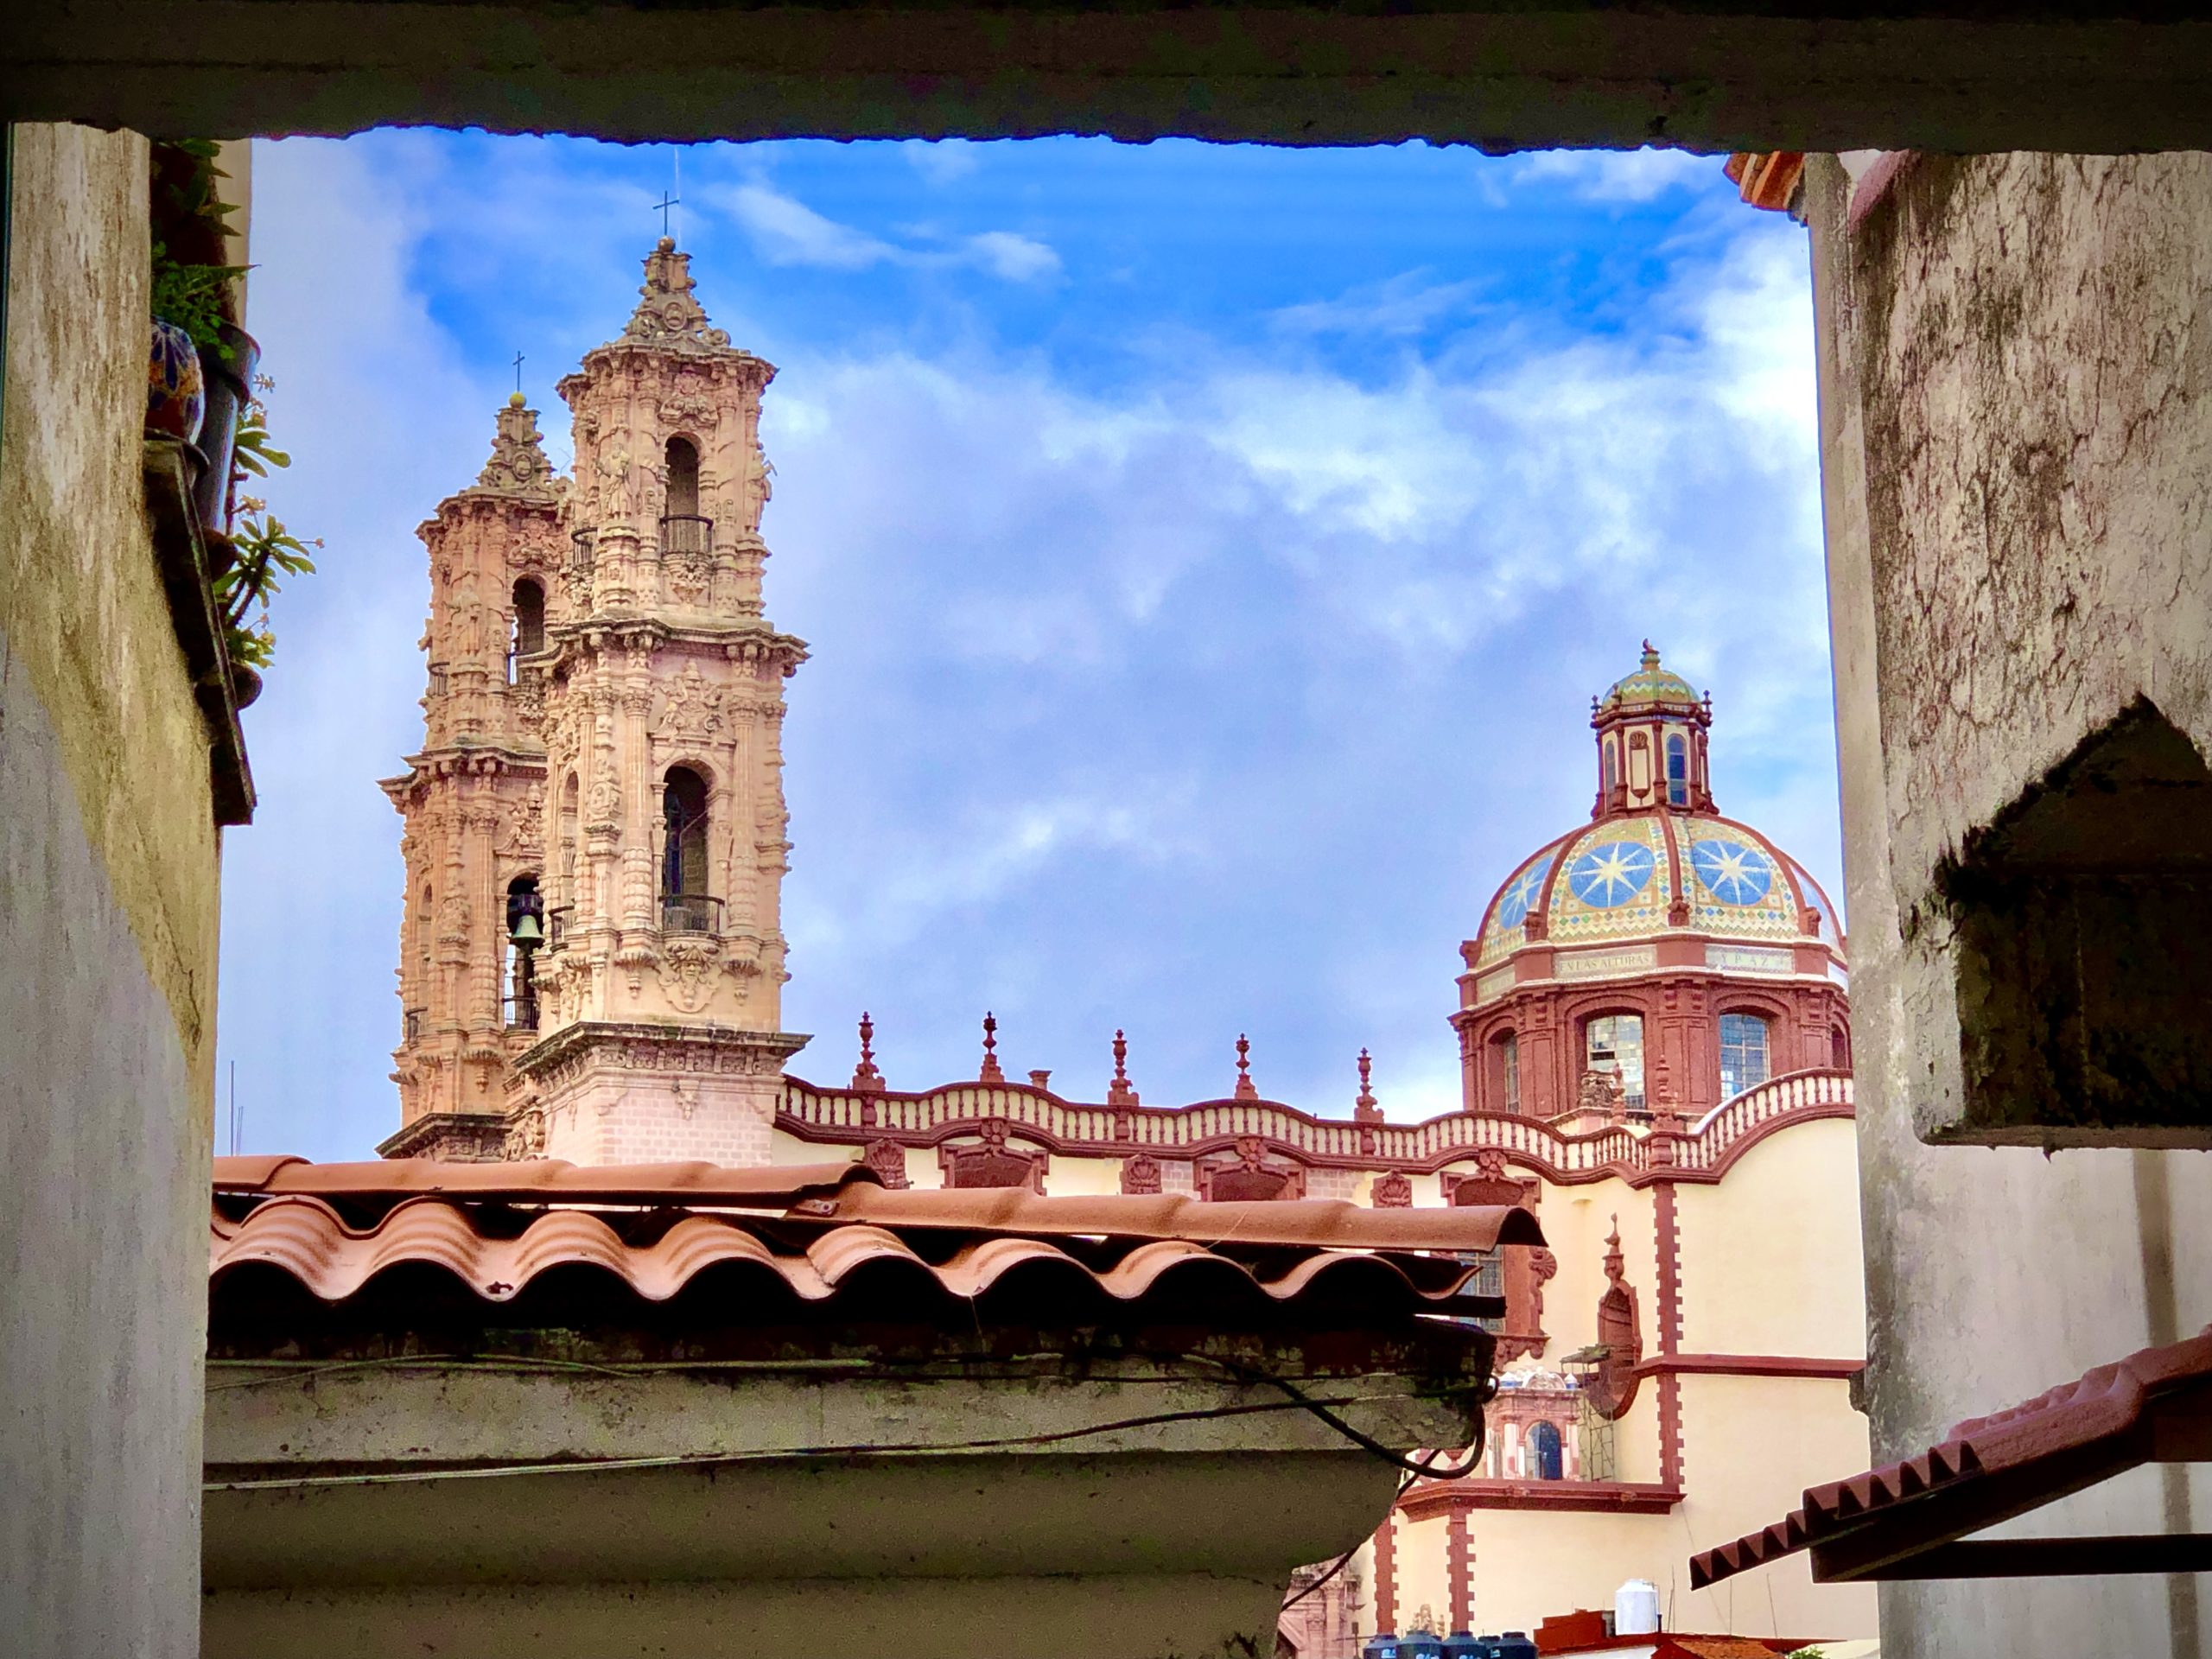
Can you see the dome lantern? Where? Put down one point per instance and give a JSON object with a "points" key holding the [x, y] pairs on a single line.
{"points": [[1651, 730]]}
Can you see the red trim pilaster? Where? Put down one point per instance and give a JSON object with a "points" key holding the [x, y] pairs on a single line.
{"points": [[1667, 1228], [1386, 1576], [1458, 1565]]}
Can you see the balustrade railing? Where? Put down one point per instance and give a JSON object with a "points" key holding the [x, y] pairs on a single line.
{"points": [[685, 533], [689, 913], [1182, 1131]]}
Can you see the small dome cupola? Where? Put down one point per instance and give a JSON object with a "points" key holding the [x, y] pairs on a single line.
{"points": [[1651, 733]]}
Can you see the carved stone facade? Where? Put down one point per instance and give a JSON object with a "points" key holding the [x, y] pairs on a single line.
{"points": [[633, 768]]}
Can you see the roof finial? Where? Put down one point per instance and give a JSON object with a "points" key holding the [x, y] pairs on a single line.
{"points": [[865, 1075], [1650, 655], [990, 1073], [1118, 1092], [1615, 1266], [1365, 1109], [1246, 1089]]}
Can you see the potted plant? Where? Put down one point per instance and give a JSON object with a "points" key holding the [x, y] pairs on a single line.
{"points": [[193, 293]]}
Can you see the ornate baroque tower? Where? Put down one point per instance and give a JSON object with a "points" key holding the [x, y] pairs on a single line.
{"points": [[603, 771], [474, 799], [661, 982]]}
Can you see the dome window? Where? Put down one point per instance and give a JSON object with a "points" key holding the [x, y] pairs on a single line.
{"points": [[1505, 1071], [1613, 1043], [1744, 1051], [1678, 771]]}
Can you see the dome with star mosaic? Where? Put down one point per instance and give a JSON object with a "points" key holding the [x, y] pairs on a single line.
{"points": [[1656, 857]]}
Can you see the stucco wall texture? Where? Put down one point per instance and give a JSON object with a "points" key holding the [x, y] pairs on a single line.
{"points": [[2016, 413], [108, 890]]}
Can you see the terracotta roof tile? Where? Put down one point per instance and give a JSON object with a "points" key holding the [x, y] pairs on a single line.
{"points": [[335, 1229], [1988, 1469]]}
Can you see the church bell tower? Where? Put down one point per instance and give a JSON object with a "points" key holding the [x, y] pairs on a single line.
{"points": [[660, 981]]}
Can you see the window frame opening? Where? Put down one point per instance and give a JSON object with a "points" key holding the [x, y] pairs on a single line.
{"points": [[1734, 1078], [1627, 1060]]}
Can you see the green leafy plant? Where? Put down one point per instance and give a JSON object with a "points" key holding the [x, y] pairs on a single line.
{"points": [[266, 550], [187, 215]]}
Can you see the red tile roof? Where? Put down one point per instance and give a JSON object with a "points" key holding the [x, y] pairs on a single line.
{"points": [[335, 1230], [2152, 1404]]}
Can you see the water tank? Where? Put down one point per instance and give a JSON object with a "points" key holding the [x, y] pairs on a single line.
{"points": [[1460, 1645], [1421, 1645], [1514, 1644], [1381, 1645], [1636, 1608]]}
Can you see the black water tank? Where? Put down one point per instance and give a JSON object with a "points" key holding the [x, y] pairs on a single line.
{"points": [[1381, 1645], [1421, 1645], [1514, 1644], [1460, 1645]]}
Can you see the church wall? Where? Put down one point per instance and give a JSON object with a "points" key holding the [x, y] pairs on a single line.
{"points": [[1771, 1258], [2029, 428], [108, 916]]}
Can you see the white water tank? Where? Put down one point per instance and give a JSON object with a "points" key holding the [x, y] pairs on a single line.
{"points": [[1636, 1608]]}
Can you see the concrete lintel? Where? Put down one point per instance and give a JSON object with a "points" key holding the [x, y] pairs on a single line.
{"points": [[1721, 75]]}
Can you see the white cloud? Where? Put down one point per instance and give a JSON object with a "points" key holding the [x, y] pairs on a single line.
{"points": [[943, 161], [1404, 305], [1619, 175], [1016, 258], [789, 233]]}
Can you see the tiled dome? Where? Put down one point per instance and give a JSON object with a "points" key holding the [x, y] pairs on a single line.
{"points": [[1621, 877]]}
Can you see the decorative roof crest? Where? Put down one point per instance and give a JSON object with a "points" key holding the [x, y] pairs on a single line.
{"points": [[667, 313], [517, 467], [865, 1075], [1365, 1109]]}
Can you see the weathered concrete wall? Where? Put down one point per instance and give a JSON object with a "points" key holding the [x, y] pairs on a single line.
{"points": [[107, 935], [2016, 387]]}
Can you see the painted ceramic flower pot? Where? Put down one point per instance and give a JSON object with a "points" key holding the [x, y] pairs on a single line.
{"points": [[229, 374], [176, 389]]}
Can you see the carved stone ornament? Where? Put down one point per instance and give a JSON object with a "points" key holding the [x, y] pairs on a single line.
{"points": [[693, 706], [1393, 1189], [687, 976], [518, 466], [667, 313], [1140, 1174], [888, 1160], [689, 409]]}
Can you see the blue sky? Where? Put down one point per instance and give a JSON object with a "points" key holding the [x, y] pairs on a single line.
{"points": [[1207, 554]]}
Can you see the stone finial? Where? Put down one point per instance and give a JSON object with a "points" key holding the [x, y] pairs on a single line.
{"points": [[1245, 1087], [668, 313], [1616, 1266], [1365, 1109], [990, 1073], [865, 1075], [1118, 1092], [517, 467]]}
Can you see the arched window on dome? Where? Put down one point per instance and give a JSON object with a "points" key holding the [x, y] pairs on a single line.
{"points": [[1547, 1453], [1613, 1043], [1744, 1049], [1840, 1049], [1678, 771], [1607, 770], [1505, 1072]]}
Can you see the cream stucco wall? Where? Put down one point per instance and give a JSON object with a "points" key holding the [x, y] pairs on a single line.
{"points": [[1771, 1258], [108, 903]]}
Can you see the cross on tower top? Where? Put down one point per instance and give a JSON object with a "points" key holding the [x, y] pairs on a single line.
{"points": [[667, 199]]}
